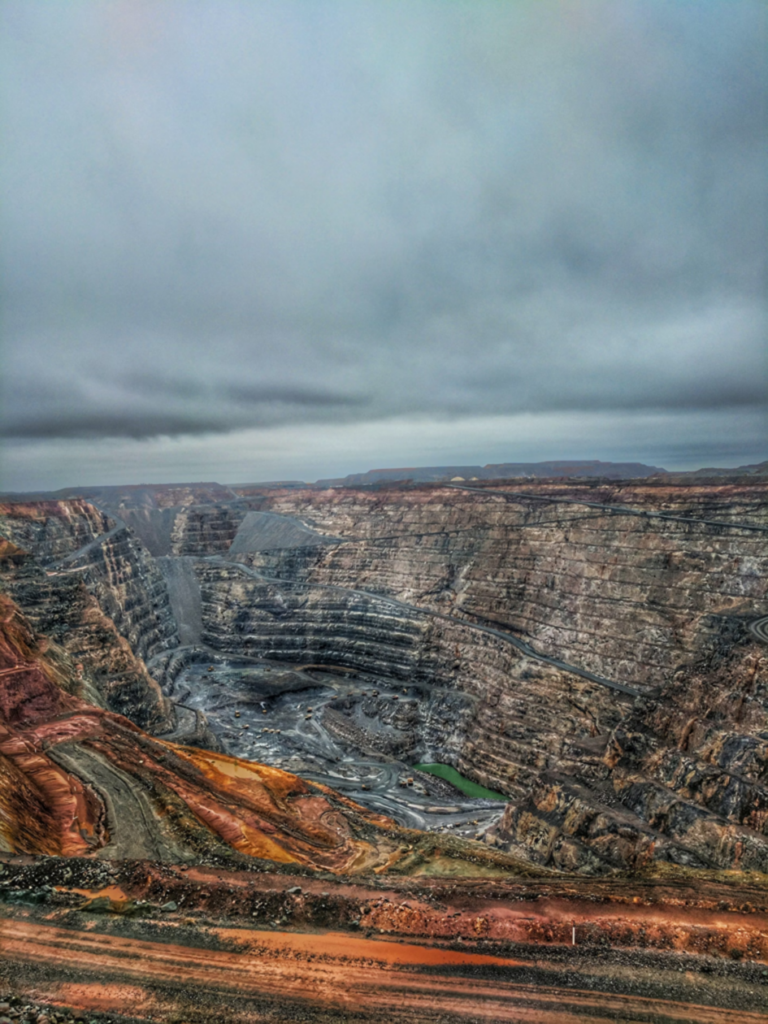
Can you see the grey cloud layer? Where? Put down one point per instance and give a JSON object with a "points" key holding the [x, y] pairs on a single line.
{"points": [[223, 215]]}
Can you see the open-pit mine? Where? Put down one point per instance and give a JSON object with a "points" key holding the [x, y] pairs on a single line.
{"points": [[471, 750]]}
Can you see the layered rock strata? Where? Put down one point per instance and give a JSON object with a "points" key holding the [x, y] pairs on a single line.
{"points": [[88, 582], [593, 576], [109, 674], [495, 714], [206, 529], [74, 538], [478, 601], [626, 596], [685, 778]]}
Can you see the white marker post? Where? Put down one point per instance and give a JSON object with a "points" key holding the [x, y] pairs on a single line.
{"points": [[573, 936]]}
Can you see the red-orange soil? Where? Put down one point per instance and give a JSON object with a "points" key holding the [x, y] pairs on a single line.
{"points": [[332, 972], [246, 946]]}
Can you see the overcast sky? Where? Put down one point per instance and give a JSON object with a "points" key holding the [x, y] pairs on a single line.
{"points": [[253, 240]]}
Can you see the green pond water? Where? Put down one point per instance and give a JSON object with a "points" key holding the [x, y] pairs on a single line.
{"points": [[444, 771]]}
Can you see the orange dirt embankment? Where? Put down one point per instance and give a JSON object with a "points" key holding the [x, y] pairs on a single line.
{"points": [[49, 808], [544, 920], [701, 916], [42, 807]]}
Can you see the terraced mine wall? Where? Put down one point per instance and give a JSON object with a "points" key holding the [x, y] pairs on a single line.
{"points": [[206, 530], [52, 530], [485, 708], [684, 779], [130, 589], [628, 597], [88, 583], [585, 650], [594, 577], [184, 530]]}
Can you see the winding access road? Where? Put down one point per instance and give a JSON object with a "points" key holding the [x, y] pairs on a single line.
{"points": [[759, 628]]}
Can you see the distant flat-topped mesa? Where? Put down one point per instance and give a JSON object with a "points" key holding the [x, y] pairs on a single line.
{"points": [[501, 471], [564, 469]]}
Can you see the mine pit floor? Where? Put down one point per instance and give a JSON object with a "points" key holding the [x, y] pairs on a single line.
{"points": [[326, 725]]}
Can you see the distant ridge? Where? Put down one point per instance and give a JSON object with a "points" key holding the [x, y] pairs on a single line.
{"points": [[500, 471], [178, 494], [711, 472]]}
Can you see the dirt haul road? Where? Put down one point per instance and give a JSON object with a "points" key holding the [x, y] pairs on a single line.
{"points": [[135, 940], [258, 975]]}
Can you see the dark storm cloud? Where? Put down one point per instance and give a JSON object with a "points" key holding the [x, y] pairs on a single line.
{"points": [[222, 215], [249, 394], [145, 407], [94, 425]]}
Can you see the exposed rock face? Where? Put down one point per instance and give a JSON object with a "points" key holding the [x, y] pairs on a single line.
{"points": [[90, 585], [684, 779], [109, 673], [626, 596], [497, 715], [694, 762], [206, 529], [42, 809], [74, 537], [602, 668], [604, 586], [52, 530], [151, 510]]}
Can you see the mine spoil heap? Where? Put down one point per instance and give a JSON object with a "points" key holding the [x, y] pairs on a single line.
{"points": [[212, 701]]}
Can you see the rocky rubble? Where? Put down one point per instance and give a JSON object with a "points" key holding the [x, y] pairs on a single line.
{"points": [[14, 1010]]}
